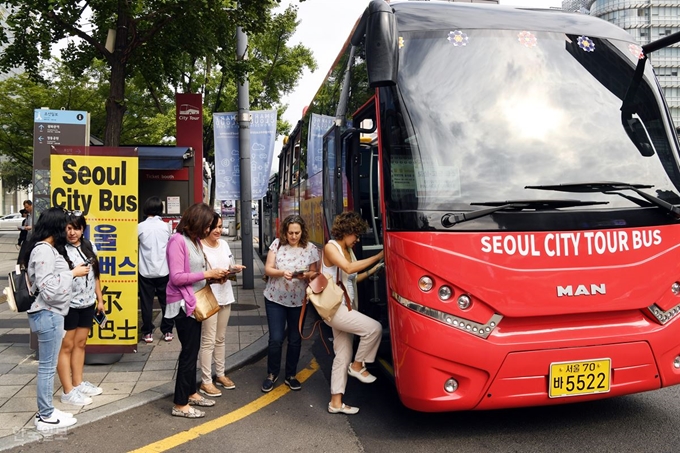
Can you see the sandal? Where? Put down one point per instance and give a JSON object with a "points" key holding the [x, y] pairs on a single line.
{"points": [[360, 375], [202, 401], [344, 409], [191, 413]]}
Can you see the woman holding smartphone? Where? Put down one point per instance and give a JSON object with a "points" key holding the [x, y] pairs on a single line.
{"points": [[214, 329], [44, 257], [189, 272], [291, 260], [86, 298]]}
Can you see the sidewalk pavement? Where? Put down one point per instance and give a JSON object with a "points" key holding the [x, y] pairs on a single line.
{"points": [[139, 378]]}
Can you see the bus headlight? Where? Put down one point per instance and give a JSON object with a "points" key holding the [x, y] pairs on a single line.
{"points": [[451, 385], [445, 293], [675, 287], [676, 362], [425, 283], [464, 302]]}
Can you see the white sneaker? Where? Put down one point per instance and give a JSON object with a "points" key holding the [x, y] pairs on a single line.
{"points": [[76, 398], [62, 413], [89, 389], [54, 422], [55, 413]]}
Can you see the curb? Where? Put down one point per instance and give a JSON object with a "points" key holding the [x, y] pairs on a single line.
{"points": [[245, 356]]}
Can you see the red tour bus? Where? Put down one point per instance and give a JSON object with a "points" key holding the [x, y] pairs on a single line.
{"points": [[520, 169]]}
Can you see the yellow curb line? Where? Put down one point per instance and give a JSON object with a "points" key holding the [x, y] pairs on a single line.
{"points": [[227, 419]]}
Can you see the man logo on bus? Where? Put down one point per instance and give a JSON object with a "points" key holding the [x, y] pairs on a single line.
{"points": [[581, 290]]}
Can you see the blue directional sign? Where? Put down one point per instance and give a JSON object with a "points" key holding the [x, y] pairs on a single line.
{"points": [[56, 127], [53, 127]]}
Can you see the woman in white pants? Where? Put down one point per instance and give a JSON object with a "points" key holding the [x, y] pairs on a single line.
{"points": [[214, 329], [338, 254]]}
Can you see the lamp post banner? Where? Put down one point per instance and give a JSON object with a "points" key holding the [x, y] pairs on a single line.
{"points": [[227, 163], [318, 126]]}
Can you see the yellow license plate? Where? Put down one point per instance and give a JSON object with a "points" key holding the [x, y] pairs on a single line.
{"points": [[579, 378]]}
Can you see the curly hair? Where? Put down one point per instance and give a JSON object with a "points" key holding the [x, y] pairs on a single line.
{"points": [[283, 232], [349, 222]]}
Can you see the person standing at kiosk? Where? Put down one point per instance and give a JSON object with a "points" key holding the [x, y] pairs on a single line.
{"points": [[153, 234]]}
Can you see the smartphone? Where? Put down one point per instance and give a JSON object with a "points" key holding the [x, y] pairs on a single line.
{"points": [[100, 318], [299, 273]]}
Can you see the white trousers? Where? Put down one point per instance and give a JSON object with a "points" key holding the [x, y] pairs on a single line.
{"points": [[345, 324], [213, 331]]}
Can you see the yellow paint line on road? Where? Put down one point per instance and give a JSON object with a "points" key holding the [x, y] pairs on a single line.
{"points": [[227, 419]]}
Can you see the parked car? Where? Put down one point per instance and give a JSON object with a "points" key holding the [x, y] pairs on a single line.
{"points": [[11, 221]]}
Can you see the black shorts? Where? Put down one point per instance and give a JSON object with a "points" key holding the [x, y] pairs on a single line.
{"points": [[79, 317]]}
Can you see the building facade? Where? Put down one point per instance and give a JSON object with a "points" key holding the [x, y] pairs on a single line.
{"points": [[11, 200], [647, 21]]}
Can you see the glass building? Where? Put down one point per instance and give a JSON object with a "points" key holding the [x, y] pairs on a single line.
{"points": [[647, 21], [12, 72]]}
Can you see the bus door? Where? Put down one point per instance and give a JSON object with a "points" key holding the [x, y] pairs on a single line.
{"points": [[332, 179], [361, 168]]}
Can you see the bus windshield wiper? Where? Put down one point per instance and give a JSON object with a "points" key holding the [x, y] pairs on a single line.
{"points": [[613, 188], [451, 219]]}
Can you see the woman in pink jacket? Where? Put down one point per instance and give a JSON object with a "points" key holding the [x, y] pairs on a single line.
{"points": [[188, 274]]}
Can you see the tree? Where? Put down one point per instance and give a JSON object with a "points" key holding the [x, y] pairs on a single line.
{"points": [[154, 38], [273, 70], [20, 95]]}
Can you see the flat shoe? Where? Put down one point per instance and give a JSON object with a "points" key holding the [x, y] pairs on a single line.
{"points": [[191, 413], [359, 375], [203, 402], [225, 382], [349, 410]]}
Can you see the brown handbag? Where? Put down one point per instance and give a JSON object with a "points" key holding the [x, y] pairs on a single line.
{"points": [[206, 303], [326, 296]]}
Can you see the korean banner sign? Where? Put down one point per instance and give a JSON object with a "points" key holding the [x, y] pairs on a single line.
{"points": [[101, 183], [318, 126], [227, 156]]}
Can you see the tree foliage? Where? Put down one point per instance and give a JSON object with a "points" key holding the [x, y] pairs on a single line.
{"points": [[154, 39], [19, 96], [178, 59]]}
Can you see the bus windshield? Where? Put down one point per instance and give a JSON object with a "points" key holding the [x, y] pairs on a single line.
{"points": [[479, 115]]}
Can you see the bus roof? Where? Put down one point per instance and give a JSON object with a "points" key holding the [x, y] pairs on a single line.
{"points": [[434, 15]]}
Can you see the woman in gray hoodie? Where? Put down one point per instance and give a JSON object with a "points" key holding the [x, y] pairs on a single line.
{"points": [[51, 277]]}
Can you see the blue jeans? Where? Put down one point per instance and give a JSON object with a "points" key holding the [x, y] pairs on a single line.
{"points": [[277, 318], [49, 327]]}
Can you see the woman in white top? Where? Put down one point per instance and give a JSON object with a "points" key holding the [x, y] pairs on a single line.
{"points": [[214, 329], [338, 254], [86, 298]]}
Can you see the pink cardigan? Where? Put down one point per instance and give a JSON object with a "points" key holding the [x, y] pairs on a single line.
{"points": [[181, 277]]}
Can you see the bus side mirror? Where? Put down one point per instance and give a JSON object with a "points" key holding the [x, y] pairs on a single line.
{"points": [[381, 44]]}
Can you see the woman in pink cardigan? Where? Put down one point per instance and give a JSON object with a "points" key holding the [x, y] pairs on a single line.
{"points": [[188, 274]]}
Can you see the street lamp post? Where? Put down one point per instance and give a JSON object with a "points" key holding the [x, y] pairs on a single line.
{"points": [[244, 118]]}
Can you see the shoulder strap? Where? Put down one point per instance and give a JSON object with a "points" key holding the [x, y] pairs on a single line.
{"points": [[198, 248], [317, 324]]}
